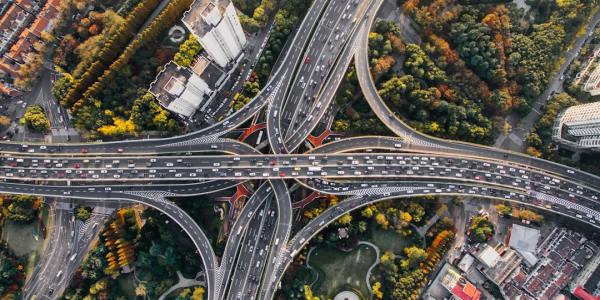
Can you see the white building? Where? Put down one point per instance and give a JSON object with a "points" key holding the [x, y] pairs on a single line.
{"points": [[524, 240], [183, 90], [578, 127], [217, 27]]}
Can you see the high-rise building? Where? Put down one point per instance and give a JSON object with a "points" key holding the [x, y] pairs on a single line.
{"points": [[185, 90], [217, 27], [578, 127]]}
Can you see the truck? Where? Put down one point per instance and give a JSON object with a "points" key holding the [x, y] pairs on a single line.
{"points": [[314, 169]]}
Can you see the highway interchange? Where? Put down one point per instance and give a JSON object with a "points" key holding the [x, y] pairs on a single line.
{"points": [[297, 96]]}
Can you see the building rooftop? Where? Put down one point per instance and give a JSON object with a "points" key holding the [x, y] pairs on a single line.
{"points": [[202, 12], [182, 90], [22, 46], [561, 254], [466, 262], [167, 85], [208, 71], [578, 126], [488, 256], [524, 238], [582, 294], [499, 263], [459, 286]]}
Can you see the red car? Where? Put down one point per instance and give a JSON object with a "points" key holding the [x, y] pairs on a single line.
{"points": [[76, 165], [307, 60], [84, 150], [282, 174]]}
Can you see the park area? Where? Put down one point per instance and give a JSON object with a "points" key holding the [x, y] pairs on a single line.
{"points": [[334, 270], [339, 270], [26, 239]]}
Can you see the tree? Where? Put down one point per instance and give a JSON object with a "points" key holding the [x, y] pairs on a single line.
{"points": [[534, 140], [368, 211], [376, 289], [260, 15], [188, 51], [534, 152], [504, 210], [345, 219], [198, 293], [308, 294], [481, 229], [341, 126], [140, 289], [416, 211], [62, 86], [475, 44], [4, 121], [387, 257], [35, 119], [362, 226], [249, 24], [419, 65], [528, 215], [83, 212], [501, 100], [381, 219], [415, 255], [383, 65], [120, 127], [147, 114], [28, 72]]}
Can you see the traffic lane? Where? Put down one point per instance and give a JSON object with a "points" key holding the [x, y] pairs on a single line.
{"points": [[276, 106], [562, 190], [245, 261], [523, 195], [235, 237], [282, 230], [344, 32], [92, 150], [314, 59], [302, 167], [260, 256], [319, 106], [43, 275]]}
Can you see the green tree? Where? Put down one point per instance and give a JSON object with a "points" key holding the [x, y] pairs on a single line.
{"points": [[62, 86], [188, 51], [147, 114], [415, 255], [341, 126], [419, 65], [83, 212], [35, 119]]}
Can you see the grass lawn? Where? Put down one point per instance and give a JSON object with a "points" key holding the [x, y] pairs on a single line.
{"points": [[389, 240], [342, 270], [21, 238]]}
